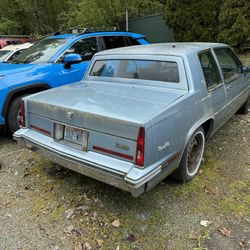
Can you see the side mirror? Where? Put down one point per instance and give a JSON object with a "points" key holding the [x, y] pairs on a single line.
{"points": [[70, 59], [245, 69]]}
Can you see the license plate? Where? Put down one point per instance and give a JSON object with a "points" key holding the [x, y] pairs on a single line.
{"points": [[75, 135]]}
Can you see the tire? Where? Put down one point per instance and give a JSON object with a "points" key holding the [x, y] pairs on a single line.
{"points": [[14, 116], [244, 109], [191, 158]]}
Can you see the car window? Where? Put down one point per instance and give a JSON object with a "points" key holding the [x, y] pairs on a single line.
{"points": [[14, 55], [137, 69], [4, 54], [85, 47], [230, 65], [112, 42], [131, 41], [210, 69]]}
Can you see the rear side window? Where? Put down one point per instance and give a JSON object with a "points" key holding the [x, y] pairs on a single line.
{"points": [[137, 69], [131, 41], [229, 63], [210, 69], [112, 42]]}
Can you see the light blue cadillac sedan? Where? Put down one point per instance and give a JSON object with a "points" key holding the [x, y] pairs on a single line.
{"points": [[140, 113]]}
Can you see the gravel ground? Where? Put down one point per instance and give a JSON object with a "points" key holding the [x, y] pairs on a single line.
{"points": [[44, 207]]}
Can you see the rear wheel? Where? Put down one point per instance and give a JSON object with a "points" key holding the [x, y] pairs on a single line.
{"points": [[192, 156], [14, 117]]}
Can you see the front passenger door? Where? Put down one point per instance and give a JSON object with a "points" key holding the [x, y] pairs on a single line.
{"points": [[233, 78], [86, 48]]}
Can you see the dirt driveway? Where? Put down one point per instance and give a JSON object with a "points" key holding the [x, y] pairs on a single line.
{"points": [[42, 207]]}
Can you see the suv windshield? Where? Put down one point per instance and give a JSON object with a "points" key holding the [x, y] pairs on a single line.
{"points": [[41, 52]]}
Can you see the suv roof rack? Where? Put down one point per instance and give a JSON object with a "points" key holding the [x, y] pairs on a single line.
{"points": [[78, 30], [82, 30]]}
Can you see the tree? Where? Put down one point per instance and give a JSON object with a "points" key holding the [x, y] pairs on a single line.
{"points": [[103, 13], [234, 23], [193, 20]]}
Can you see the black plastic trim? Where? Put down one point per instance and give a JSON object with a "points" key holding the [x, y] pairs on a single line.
{"points": [[22, 90]]}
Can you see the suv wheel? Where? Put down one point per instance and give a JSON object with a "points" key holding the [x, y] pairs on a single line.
{"points": [[14, 114]]}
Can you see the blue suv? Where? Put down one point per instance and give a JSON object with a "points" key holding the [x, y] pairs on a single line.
{"points": [[52, 62]]}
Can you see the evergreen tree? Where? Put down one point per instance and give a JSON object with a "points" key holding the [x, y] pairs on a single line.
{"points": [[193, 20], [234, 23]]}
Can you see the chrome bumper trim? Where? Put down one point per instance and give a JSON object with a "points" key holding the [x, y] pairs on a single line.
{"points": [[91, 170]]}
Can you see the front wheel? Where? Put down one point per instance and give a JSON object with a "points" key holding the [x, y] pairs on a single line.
{"points": [[192, 156], [14, 117]]}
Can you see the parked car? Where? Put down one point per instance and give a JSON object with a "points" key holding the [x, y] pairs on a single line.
{"points": [[140, 114], [51, 63], [10, 52], [14, 39]]}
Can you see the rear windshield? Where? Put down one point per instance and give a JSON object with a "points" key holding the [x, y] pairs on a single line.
{"points": [[137, 69]]}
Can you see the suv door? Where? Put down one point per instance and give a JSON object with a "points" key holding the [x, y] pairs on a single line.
{"points": [[215, 86], [86, 48], [233, 77]]}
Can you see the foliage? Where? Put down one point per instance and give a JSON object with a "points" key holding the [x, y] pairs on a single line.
{"points": [[192, 20], [234, 23], [30, 16], [215, 20], [101, 13]]}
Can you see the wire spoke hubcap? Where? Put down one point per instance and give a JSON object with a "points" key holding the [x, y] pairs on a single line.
{"points": [[195, 152]]}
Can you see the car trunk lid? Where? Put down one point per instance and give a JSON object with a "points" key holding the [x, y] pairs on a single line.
{"points": [[116, 109]]}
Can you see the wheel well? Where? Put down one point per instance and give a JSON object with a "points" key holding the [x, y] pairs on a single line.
{"points": [[18, 92], [208, 127]]}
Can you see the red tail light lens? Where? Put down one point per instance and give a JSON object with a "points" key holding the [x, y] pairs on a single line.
{"points": [[139, 161], [22, 109]]}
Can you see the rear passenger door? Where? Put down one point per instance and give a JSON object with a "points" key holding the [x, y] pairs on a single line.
{"points": [[216, 88], [233, 78]]}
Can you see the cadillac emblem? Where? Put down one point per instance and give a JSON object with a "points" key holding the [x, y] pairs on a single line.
{"points": [[70, 115]]}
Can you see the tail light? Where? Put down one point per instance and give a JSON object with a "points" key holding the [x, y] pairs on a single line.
{"points": [[139, 160], [22, 109]]}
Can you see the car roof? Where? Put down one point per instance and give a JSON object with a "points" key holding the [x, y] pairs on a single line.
{"points": [[177, 49], [17, 46], [96, 33]]}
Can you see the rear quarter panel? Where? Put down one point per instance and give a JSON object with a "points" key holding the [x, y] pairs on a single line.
{"points": [[172, 128]]}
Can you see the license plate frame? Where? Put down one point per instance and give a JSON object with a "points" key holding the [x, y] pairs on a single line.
{"points": [[75, 135]]}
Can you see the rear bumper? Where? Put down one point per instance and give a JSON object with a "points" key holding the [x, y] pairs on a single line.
{"points": [[99, 167]]}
